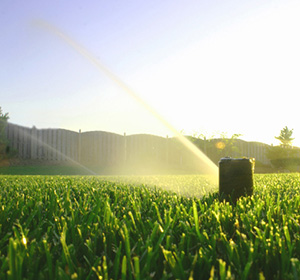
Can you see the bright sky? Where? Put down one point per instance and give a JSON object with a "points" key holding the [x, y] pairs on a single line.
{"points": [[205, 66]]}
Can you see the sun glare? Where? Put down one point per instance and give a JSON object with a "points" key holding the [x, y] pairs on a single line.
{"points": [[24, 241], [220, 145], [213, 170]]}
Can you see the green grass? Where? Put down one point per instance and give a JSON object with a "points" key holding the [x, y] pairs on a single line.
{"points": [[76, 169], [43, 170], [72, 227]]}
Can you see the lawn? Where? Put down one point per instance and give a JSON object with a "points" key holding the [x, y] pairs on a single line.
{"points": [[95, 227]]}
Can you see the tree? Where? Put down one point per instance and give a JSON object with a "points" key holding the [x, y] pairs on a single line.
{"points": [[285, 137], [226, 145], [216, 148], [3, 139], [202, 141], [284, 156]]}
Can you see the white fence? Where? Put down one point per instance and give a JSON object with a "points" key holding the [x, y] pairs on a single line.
{"points": [[106, 148]]}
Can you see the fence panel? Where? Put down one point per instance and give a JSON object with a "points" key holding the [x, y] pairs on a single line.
{"points": [[106, 148]]}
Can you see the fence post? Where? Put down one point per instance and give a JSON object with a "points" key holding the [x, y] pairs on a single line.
{"points": [[79, 146], [167, 149], [49, 144], [125, 148], [54, 143], [33, 147]]}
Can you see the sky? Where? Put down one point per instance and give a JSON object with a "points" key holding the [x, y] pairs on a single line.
{"points": [[206, 67]]}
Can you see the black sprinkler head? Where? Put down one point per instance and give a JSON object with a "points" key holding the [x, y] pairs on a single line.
{"points": [[235, 178]]}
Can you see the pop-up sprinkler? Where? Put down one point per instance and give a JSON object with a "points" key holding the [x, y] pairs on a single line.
{"points": [[235, 178]]}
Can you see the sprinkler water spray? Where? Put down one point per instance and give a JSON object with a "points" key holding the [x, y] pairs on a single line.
{"points": [[212, 168], [235, 178]]}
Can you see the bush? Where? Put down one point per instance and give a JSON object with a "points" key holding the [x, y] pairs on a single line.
{"points": [[286, 163]]}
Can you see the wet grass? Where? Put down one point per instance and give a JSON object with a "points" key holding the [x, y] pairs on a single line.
{"points": [[43, 170], [85, 227]]}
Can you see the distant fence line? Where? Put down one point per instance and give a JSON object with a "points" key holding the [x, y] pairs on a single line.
{"points": [[105, 148], [256, 150]]}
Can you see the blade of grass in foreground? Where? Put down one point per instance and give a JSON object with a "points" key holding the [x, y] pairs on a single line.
{"points": [[196, 219], [15, 261]]}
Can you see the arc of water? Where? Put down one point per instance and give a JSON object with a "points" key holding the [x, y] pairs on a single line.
{"points": [[64, 156], [85, 53]]}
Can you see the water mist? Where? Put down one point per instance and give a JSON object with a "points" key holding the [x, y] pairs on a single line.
{"points": [[210, 168]]}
